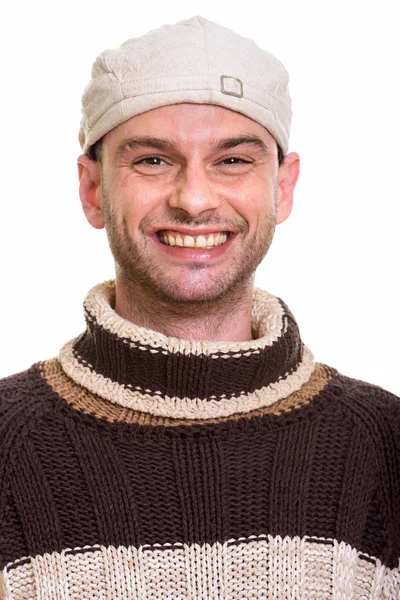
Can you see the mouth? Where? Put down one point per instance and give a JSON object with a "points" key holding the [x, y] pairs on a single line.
{"points": [[204, 240]]}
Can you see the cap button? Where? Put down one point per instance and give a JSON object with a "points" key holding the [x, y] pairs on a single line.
{"points": [[231, 86]]}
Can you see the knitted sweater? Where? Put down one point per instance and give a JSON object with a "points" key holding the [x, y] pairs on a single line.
{"points": [[145, 467]]}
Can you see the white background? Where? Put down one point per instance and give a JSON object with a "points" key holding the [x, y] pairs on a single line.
{"points": [[334, 262]]}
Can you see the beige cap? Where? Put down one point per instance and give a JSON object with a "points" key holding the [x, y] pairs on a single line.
{"points": [[192, 61]]}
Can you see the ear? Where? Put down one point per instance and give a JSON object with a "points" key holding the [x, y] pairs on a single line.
{"points": [[89, 172], [287, 178]]}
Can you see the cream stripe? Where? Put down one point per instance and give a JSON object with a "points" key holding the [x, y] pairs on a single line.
{"points": [[256, 568], [267, 320], [83, 400], [184, 408], [2, 588]]}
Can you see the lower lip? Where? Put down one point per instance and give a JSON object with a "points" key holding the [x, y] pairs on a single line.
{"points": [[201, 254]]}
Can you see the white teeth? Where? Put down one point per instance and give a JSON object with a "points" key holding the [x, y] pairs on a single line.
{"points": [[210, 240], [189, 241], [201, 241]]}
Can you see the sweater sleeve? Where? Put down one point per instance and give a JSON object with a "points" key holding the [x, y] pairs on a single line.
{"points": [[14, 393], [378, 412], [390, 475]]}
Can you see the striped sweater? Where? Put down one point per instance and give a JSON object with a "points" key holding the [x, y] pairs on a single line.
{"points": [[139, 466]]}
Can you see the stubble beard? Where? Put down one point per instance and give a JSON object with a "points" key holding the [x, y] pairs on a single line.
{"points": [[143, 278]]}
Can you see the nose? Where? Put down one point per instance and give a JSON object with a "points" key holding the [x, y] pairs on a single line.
{"points": [[193, 191]]}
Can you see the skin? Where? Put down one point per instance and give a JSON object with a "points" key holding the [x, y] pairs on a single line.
{"points": [[189, 186]]}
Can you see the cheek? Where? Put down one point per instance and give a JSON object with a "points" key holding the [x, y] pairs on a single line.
{"points": [[141, 208], [140, 197], [265, 202], [255, 205]]}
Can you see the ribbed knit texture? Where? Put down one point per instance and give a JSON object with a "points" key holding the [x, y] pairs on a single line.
{"points": [[128, 472]]}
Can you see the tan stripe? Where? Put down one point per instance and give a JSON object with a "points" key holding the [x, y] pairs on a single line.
{"points": [[256, 568], [83, 400], [185, 408]]}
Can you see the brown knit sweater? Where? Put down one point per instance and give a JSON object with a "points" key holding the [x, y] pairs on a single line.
{"points": [[145, 467]]}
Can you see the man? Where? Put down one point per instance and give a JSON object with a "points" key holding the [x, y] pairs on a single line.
{"points": [[187, 445]]}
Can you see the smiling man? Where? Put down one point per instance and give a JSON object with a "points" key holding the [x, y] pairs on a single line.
{"points": [[190, 212], [186, 444]]}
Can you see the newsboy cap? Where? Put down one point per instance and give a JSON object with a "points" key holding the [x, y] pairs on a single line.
{"points": [[195, 61]]}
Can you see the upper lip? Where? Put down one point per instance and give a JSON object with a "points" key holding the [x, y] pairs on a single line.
{"points": [[192, 232]]}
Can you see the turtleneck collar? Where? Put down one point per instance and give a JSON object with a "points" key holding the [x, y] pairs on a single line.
{"points": [[147, 371]]}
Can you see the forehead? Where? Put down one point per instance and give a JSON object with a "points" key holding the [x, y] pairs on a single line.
{"points": [[188, 123]]}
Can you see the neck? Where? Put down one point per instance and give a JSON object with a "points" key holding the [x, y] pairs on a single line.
{"points": [[225, 319]]}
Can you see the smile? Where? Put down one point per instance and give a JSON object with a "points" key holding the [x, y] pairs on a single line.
{"points": [[211, 240]]}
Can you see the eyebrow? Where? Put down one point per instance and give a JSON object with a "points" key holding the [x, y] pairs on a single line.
{"points": [[168, 145]]}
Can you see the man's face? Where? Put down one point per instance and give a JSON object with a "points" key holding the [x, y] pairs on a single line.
{"points": [[189, 199]]}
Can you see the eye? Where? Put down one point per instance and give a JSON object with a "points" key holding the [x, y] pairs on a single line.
{"points": [[152, 161], [235, 160], [153, 165], [232, 160]]}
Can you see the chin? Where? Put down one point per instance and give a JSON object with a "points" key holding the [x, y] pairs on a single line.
{"points": [[190, 296], [199, 292]]}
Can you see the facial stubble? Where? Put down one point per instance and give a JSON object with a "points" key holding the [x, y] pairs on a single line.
{"points": [[142, 277]]}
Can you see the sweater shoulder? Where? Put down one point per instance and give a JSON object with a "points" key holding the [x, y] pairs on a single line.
{"points": [[16, 381], [371, 407], [358, 394], [13, 388], [20, 398]]}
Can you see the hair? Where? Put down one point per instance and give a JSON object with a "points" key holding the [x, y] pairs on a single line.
{"points": [[95, 152], [280, 154]]}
